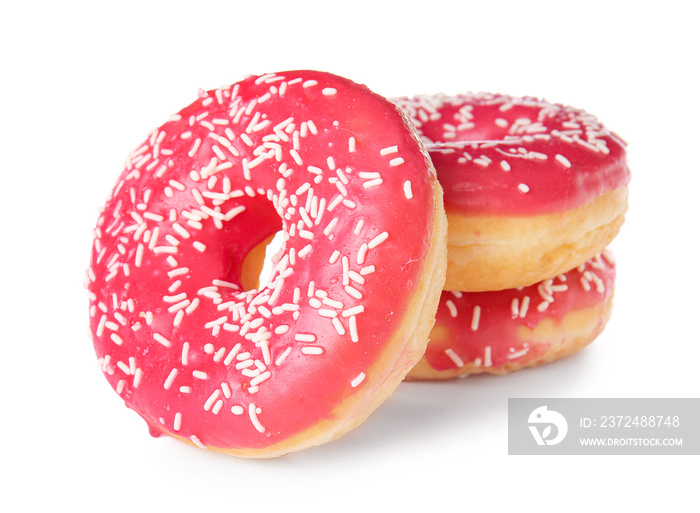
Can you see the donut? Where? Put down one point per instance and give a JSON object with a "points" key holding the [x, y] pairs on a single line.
{"points": [[497, 332], [532, 189], [341, 172]]}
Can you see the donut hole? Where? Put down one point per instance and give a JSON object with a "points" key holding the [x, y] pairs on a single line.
{"points": [[260, 262], [242, 249]]}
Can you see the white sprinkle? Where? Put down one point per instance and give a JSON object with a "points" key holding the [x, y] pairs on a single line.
{"points": [[518, 354], [296, 157], [312, 350], [169, 380], [351, 145], [309, 83], [451, 307], [253, 414], [193, 306], [223, 283], [329, 228], [199, 246], [388, 150], [153, 217], [505, 166], [233, 212], [352, 291], [378, 240], [196, 441], [178, 272], [353, 328], [353, 311], [213, 397], [475, 318], [524, 307], [329, 91], [124, 367], [304, 251], [523, 188], [232, 354], [305, 337], [179, 306], [367, 270], [362, 254], [139, 255], [185, 352], [454, 357], [334, 203], [160, 338], [283, 356], [397, 161], [165, 249], [358, 379], [338, 325], [346, 269], [358, 227], [199, 374], [194, 148], [101, 326], [487, 356], [281, 329], [260, 378], [408, 192], [357, 278], [175, 299], [111, 325], [585, 283], [562, 160], [177, 424], [599, 284], [372, 183]]}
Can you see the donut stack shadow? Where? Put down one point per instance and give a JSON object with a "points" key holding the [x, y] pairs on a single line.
{"points": [[534, 194]]}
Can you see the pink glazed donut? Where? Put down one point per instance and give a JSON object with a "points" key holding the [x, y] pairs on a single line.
{"points": [[532, 189], [501, 331], [347, 313]]}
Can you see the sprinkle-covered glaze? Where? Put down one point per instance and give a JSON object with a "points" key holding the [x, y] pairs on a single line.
{"points": [[482, 332], [339, 171], [504, 155]]}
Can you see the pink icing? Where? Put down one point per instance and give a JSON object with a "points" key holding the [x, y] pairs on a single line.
{"points": [[481, 328], [334, 166], [504, 155]]}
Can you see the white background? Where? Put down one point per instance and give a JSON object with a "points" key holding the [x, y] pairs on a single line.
{"points": [[83, 83]]}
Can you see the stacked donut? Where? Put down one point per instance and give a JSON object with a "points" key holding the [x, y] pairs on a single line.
{"points": [[185, 336], [534, 193]]}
